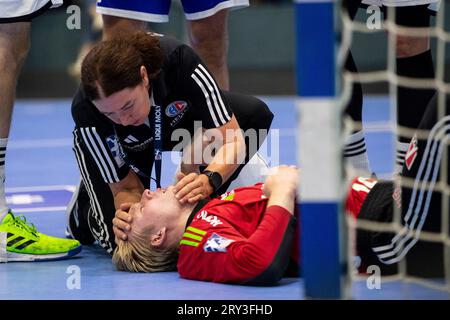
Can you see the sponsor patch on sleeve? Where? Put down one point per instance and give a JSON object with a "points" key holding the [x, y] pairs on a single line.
{"points": [[216, 243], [411, 153], [227, 196], [116, 150]]}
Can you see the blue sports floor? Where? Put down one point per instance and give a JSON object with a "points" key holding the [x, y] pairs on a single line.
{"points": [[42, 172]]}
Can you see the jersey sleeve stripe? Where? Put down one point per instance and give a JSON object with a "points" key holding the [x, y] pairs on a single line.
{"points": [[87, 142], [189, 243], [98, 157], [106, 155], [103, 237], [208, 102], [212, 96], [192, 236], [195, 230], [216, 90]]}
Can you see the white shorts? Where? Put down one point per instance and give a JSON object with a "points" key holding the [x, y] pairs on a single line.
{"points": [[253, 172], [433, 4], [16, 9]]}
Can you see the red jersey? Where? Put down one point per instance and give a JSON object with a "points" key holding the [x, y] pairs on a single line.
{"points": [[358, 191], [236, 238]]}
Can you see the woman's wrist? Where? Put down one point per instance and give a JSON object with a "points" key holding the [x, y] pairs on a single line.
{"points": [[283, 198]]}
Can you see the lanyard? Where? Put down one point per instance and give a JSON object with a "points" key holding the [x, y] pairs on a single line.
{"points": [[158, 143]]}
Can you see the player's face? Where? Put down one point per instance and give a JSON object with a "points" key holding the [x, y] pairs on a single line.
{"points": [[127, 107], [156, 209]]}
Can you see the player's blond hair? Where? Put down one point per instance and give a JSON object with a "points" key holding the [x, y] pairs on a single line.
{"points": [[137, 255]]}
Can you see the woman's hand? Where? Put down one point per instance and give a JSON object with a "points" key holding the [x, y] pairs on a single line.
{"points": [[122, 222], [192, 187]]}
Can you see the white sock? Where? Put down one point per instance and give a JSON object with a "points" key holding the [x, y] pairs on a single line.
{"points": [[3, 206], [355, 153], [401, 149]]}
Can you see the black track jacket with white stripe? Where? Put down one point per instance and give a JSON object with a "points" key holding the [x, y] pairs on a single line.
{"points": [[188, 96]]}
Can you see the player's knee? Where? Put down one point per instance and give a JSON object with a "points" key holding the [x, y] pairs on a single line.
{"points": [[212, 50], [404, 47], [266, 114], [114, 25], [13, 56], [260, 108], [210, 34], [411, 46]]}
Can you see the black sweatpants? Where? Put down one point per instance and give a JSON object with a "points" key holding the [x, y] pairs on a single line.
{"points": [[420, 200]]}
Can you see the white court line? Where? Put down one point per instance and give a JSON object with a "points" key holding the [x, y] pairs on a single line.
{"points": [[39, 209], [70, 188], [40, 143], [379, 126], [374, 126]]}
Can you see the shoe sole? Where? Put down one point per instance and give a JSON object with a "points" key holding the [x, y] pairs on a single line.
{"points": [[22, 257]]}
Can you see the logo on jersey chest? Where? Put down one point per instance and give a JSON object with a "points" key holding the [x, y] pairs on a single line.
{"points": [[213, 220], [131, 139], [411, 153], [176, 110]]}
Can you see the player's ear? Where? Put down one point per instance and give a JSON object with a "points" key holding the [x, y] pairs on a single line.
{"points": [[144, 75], [157, 239]]}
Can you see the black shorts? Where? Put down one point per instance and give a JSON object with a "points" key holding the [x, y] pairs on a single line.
{"points": [[28, 17], [408, 16]]}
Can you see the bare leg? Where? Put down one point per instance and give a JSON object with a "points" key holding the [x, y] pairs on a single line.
{"points": [[411, 46], [114, 25], [14, 46], [209, 37]]}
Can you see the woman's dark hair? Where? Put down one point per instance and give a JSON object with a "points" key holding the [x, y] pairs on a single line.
{"points": [[115, 64]]}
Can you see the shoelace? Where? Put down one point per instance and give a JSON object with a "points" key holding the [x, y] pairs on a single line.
{"points": [[21, 222]]}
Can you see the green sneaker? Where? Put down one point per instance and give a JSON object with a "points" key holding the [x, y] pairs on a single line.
{"points": [[20, 241]]}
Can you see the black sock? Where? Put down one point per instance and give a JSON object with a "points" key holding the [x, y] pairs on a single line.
{"points": [[355, 151]]}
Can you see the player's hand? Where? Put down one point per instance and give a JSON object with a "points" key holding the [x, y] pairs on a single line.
{"points": [[180, 175], [192, 187], [122, 222], [282, 179]]}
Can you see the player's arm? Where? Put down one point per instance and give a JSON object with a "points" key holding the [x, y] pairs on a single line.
{"points": [[218, 123], [127, 190], [267, 249], [262, 258]]}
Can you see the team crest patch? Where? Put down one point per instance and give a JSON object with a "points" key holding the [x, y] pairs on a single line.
{"points": [[175, 108], [227, 196], [411, 153], [116, 150], [216, 243]]}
